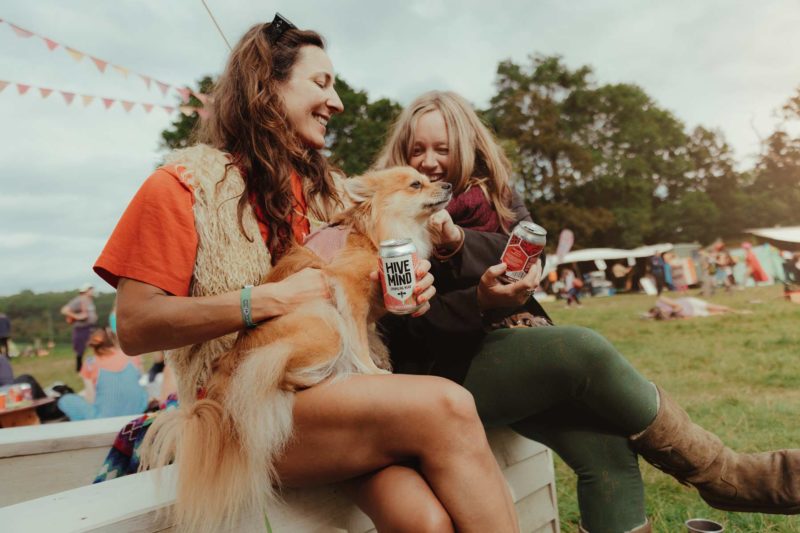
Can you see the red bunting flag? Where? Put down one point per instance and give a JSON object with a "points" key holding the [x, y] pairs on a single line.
{"points": [[45, 92], [51, 44], [108, 102], [87, 99], [184, 92], [147, 107], [68, 97], [22, 88], [168, 109], [163, 86], [3, 85], [147, 80], [100, 64], [20, 32], [127, 105]]}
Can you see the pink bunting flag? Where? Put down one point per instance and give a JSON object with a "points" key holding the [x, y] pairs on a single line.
{"points": [[163, 86], [108, 102], [22, 88], [20, 32], [202, 97], [3, 85], [147, 80], [203, 113], [87, 99], [52, 45], [100, 64], [147, 107], [77, 55], [184, 92], [68, 97], [45, 92], [168, 109], [127, 105]]}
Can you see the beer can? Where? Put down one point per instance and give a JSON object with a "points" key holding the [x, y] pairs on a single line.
{"points": [[398, 267], [524, 246]]}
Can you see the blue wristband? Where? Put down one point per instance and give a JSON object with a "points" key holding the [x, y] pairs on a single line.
{"points": [[247, 310]]}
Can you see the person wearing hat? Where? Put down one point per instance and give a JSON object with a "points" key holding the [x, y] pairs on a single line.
{"points": [[82, 314]]}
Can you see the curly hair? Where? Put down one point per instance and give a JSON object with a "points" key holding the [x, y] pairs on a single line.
{"points": [[248, 121]]}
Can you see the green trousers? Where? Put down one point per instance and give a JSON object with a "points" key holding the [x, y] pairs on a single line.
{"points": [[569, 388]]}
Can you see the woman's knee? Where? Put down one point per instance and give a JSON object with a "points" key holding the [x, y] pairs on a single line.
{"points": [[587, 349]]}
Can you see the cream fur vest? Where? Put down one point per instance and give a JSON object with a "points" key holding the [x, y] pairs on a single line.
{"points": [[226, 259]]}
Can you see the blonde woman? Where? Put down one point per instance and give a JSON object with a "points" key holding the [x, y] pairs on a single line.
{"points": [[567, 387]]}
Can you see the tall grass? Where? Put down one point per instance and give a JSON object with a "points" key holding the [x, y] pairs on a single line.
{"points": [[738, 375]]}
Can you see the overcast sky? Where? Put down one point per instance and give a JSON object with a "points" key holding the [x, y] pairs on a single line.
{"points": [[67, 173]]}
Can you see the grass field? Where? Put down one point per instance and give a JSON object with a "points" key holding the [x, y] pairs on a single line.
{"points": [[738, 375]]}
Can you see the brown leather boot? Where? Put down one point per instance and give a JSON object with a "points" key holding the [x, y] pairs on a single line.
{"points": [[766, 482]]}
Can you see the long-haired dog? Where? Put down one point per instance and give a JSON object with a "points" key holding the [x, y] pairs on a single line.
{"points": [[226, 444]]}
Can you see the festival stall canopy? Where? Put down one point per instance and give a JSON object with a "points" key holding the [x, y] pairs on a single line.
{"points": [[789, 235], [609, 254]]}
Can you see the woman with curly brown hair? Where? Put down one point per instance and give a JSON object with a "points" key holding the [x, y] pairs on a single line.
{"points": [[210, 223]]}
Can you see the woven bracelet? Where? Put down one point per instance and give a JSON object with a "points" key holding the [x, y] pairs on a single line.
{"points": [[247, 310]]}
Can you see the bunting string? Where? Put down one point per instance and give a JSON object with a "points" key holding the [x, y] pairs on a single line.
{"points": [[102, 64], [108, 103]]}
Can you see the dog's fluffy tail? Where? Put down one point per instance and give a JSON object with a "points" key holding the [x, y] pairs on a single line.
{"points": [[225, 455]]}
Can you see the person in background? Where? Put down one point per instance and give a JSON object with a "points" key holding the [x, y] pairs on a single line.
{"points": [[5, 334], [572, 286], [111, 383], [81, 313], [669, 308], [656, 266], [622, 275]]}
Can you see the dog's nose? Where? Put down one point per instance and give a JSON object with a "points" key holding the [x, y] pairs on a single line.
{"points": [[446, 186]]}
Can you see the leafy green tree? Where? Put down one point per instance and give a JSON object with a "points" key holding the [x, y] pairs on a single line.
{"points": [[356, 135], [179, 134]]}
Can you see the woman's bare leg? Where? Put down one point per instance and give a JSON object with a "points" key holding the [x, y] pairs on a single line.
{"points": [[363, 423], [399, 500]]}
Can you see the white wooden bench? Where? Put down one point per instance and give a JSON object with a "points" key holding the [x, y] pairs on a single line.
{"points": [[45, 473]]}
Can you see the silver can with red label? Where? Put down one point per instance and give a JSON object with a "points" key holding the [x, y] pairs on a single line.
{"points": [[398, 266], [524, 246]]}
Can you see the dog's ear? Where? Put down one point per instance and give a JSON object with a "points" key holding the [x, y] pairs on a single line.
{"points": [[359, 188]]}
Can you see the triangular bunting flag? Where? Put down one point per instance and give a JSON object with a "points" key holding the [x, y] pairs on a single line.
{"points": [[147, 107], [163, 86], [76, 54], [184, 92], [100, 64], [20, 32], [203, 113], [122, 70], [146, 79], [52, 45], [87, 99], [22, 88], [202, 97], [108, 102], [45, 92], [3, 85], [68, 97], [186, 110], [127, 105], [168, 109]]}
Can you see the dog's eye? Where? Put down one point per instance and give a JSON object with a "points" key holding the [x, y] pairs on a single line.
{"points": [[416, 185]]}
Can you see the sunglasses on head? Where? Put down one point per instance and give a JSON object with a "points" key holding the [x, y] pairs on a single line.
{"points": [[278, 27]]}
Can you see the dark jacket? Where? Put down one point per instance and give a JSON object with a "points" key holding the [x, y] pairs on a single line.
{"points": [[443, 341]]}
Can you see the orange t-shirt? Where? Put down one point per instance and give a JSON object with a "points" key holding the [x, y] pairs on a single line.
{"points": [[155, 241]]}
